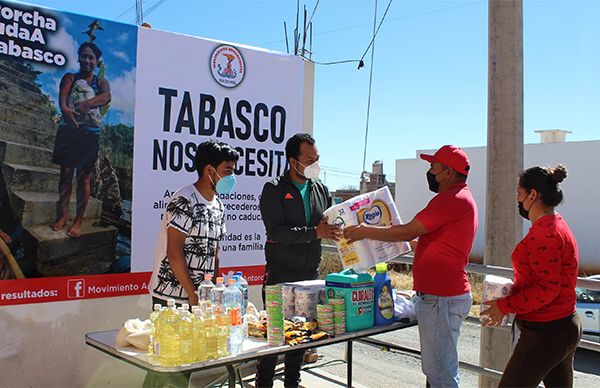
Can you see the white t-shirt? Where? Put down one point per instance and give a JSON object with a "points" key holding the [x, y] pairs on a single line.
{"points": [[203, 223]]}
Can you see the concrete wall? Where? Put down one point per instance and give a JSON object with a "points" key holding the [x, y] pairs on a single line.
{"points": [[581, 189]]}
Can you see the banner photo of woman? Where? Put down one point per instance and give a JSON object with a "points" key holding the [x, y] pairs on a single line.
{"points": [[67, 98]]}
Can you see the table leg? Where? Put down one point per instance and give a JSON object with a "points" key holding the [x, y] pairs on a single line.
{"points": [[232, 376], [349, 364], [160, 380]]}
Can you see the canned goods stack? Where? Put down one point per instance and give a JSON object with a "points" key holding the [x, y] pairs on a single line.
{"points": [[325, 318], [306, 302], [274, 307], [339, 315]]}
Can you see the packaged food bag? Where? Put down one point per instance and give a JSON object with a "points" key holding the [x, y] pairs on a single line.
{"points": [[374, 208], [494, 288]]}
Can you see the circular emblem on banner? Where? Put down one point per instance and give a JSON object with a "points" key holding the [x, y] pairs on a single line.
{"points": [[227, 66]]}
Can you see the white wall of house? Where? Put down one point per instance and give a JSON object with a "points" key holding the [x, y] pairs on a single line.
{"points": [[581, 189]]}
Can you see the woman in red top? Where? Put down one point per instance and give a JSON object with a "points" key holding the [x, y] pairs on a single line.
{"points": [[543, 297]]}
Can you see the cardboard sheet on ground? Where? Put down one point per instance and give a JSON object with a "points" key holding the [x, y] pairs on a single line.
{"points": [[374, 208]]}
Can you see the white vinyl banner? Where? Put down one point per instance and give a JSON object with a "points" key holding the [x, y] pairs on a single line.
{"points": [[189, 90]]}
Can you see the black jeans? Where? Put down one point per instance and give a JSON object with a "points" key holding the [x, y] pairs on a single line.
{"points": [[544, 352], [265, 368]]}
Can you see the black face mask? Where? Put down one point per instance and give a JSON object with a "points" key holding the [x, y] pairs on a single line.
{"points": [[433, 184], [522, 212]]}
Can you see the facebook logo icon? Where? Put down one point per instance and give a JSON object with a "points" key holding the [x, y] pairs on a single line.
{"points": [[76, 288]]}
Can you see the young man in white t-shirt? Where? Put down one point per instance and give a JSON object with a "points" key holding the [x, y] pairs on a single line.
{"points": [[192, 226]]}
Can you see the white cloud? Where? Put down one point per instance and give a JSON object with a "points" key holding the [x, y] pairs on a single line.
{"points": [[122, 56], [122, 90], [122, 38], [62, 41]]}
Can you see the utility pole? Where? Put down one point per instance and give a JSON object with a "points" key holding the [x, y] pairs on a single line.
{"points": [[504, 227]]}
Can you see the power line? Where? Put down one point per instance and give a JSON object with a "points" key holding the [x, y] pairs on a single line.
{"points": [[149, 10], [127, 11], [389, 20], [372, 46]]}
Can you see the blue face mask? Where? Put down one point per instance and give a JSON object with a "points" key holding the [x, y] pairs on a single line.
{"points": [[226, 184]]}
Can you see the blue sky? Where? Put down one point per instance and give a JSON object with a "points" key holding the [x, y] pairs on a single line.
{"points": [[430, 68]]}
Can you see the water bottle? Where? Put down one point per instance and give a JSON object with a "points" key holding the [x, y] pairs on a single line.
{"points": [[217, 293], [205, 290], [243, 284], [232, 299]]}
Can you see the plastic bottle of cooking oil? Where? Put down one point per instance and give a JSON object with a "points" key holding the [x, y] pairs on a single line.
{"points": [[185, 336], [198, 337], [210, 333], [168, 335], [153, 318], [222, 331]]}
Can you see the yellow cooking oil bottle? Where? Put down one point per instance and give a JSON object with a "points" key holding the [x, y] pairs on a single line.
{"points": [[185, 336], [222, 332], [210, 333], [168, 346], [198, 337], [153, 320]]}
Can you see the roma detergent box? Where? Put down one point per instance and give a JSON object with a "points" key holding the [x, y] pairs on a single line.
{"points": [[357, 291]]}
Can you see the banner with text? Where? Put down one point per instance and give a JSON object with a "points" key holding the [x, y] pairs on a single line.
{"points": [[90, 105]]}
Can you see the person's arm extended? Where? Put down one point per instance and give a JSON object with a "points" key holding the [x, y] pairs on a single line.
{"points": [[392, 233], [176, 257]]}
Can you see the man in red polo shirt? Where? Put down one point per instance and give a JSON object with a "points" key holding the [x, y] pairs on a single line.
{"points": [[445, 230]]}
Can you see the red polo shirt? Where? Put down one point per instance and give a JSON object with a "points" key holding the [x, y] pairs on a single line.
{"points": [[545, 265], [442, 253]]}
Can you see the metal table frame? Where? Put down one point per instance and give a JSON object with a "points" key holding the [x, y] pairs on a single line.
{"points": [[253, 350]]}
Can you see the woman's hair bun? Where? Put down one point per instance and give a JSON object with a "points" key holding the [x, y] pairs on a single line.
{"points": [[557, 174]]}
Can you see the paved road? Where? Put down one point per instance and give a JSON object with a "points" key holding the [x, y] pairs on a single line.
{"points": [[376, 368]]}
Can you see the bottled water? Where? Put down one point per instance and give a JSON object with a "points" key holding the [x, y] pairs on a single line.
{"points": [[153, 318], [232, 299], [198, 337], [243, 285], [217, 293], [210, 333], [167, 343], [205, 290]]}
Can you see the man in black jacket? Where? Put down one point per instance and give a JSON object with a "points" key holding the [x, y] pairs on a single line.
{"points": [[292, 207]]}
